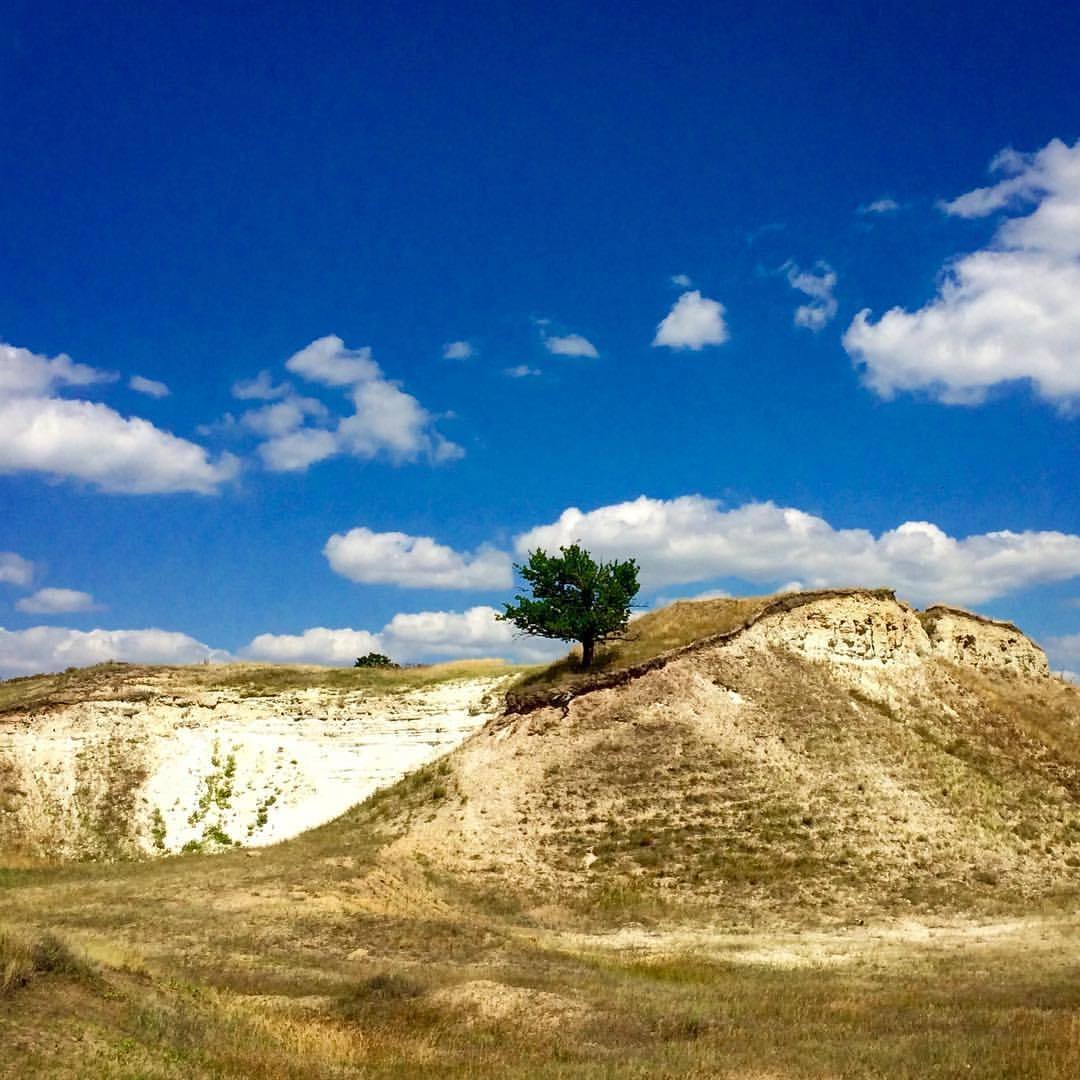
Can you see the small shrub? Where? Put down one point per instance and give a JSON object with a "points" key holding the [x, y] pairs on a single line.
{"points": [[375, 660]]}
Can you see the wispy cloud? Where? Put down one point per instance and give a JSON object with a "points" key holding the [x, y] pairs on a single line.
{"points": [[458, 350], [818, 284], [53, 601], [149, 387], [570, 345]]}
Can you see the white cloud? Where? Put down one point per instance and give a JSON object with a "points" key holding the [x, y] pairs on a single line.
{"points": [[691, 538], [424, 635], [84, 440], [388, 421], [54, 648], [385, 421], [414, 562], [570, 345], [818, 284], [319, 645], [327, 360], [261, 388], [88, 441], [880, 206], [15, 570], [26, 374], [1010, 311], [692, 323], [457, 350], [150, 387], [278, 418], [472, 633], [298, 450], [521, 371], [52, 601], [681, 280]]}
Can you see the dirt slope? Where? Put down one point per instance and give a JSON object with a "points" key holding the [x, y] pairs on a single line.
{"points": [[838, 752]]}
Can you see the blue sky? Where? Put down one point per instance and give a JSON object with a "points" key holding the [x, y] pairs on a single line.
{"points": [[499, 263]]}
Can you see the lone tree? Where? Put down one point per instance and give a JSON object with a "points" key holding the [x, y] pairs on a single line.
{"points": [[574, 598], [374, 659]]}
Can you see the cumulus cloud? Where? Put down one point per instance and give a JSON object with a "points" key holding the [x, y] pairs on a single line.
{"points": [[818, 284], [693, 322], [84, 440], [424, 635], [570, 345], [282, 417], [879, 206], [395, 558], [15, 570], [1010, 311], [52, 601], [88, 441], [149, 387], [327, 360], [521, 371], [692, 538], [681, 280], [457, 350], [319, 645], [385, 421], [297, 450], [54, 648], [472, 633]]}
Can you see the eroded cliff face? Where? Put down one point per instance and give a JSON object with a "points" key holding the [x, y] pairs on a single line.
{"points": [[846, 626], [873, 627], [986, 644], [122, 778]]}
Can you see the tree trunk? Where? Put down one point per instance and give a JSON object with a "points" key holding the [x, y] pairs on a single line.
{"points": [[588, 648]]}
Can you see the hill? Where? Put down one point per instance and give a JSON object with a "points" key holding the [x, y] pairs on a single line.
{"points": [[832, 836], [833, 752]]}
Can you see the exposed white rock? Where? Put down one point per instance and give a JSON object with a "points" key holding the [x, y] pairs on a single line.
{"points": [[119, 777], [847, 627], [984, 643]]}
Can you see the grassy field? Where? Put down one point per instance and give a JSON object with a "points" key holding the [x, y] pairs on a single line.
{"points": [[796, 877], [317, 958]]}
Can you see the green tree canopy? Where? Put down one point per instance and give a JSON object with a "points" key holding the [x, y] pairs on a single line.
{"points": [[574, 598]]}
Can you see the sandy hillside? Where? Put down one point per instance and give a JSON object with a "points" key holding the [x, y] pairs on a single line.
{"points": [[837, 750]]}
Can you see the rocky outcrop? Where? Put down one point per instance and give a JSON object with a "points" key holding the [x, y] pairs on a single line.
{"points": [[845, 626], [987, 644], [123, 778]]}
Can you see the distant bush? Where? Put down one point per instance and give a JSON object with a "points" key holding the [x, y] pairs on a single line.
{"points": [[374, 659]]}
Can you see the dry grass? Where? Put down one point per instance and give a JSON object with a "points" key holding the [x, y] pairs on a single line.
{"points": [[651, 635], [137, 682], [797, 878]]}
